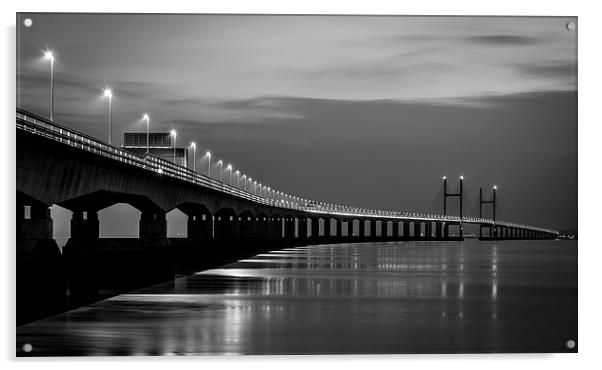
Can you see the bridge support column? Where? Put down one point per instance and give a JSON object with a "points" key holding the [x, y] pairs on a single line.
{"points": [[417, 230], [315, 228], [383, 229], [275, 228], [303, 228], [350, 229], [153, 228], [438, 230], [225, 227], [395, 231], [262, 226], [246, 227], [34, 226], [41, 286], [84, 225], [372, 228], [289, 228], [406, 230], [428, 230], [446, 230], [200, 227], [362, 228], [327, 228]]}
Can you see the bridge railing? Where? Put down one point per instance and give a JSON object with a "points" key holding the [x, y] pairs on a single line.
{"points": [[55, 131]]}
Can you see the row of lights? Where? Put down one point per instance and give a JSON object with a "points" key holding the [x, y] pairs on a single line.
{"points": [[264, 191], [258, 188]]}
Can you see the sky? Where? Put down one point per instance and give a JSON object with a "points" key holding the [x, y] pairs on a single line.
{"points": [[368, 111]]}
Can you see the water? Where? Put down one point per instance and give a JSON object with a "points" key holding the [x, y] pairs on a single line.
{"points": [[511, 296]]}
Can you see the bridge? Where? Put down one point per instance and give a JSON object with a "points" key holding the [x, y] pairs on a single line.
{"points": [[58, 165]]}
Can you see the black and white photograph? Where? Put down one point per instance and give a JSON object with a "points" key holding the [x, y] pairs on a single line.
{"points": [[295, 184]]}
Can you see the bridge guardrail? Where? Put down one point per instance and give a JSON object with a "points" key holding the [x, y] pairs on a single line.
{"points": [[55, 131]]}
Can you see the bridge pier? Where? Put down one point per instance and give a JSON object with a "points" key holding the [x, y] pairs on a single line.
{"points": [[275, 228], [246, 226], [428, 230], [406, 230], [417, 230], [438, 230], [315, 228], [395, 231], [289, 228], [226, 227], [362, 228], [41, 284], [262, 231], [199, 226], [34, 226], [327, 228], [373, 229], [303, 228], [153, 227]]}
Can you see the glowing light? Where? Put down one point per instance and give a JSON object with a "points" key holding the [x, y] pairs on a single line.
{"points": [[444, 177], [193, 145], [159, 171], [461, 177], [108, 93], [48, 55], [494, 187], [208, 154], [173, 133], [145, 116]]}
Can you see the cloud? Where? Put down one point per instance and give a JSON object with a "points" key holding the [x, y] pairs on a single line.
{"points": [[557, 69], [504, 40]]}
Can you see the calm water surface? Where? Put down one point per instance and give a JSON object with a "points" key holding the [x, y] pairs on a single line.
{"points": [[511, 296]]}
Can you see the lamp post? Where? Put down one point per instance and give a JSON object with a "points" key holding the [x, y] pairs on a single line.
{"points": [[109, 94], [208, 155], [193, 146], [49, 56], [237, 173], [244, 183], [221, 170], [229, 168], [174, 135], [147, 119]]}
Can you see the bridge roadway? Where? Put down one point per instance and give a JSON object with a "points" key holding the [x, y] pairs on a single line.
{"points": [[58, 165]]}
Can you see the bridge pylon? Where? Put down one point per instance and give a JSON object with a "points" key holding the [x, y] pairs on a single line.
{"points": [[492, 201], [446, 194]]}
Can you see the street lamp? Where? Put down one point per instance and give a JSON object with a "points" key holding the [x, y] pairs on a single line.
{"points": [[237, 173], [193, 146], [147, 119], [229, 168], [221, 170], [109, 94], [174, 134], [254, 187], [244, 183], [208, 155], [49, 56]]}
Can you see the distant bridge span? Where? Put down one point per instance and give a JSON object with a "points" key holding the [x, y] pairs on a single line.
{"points": [[58, 165]]}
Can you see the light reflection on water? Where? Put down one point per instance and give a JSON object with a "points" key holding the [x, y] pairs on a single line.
{"points": [[350, 298]]}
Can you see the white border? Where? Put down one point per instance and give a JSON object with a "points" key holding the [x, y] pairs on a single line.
{"points": [[589, 176]]}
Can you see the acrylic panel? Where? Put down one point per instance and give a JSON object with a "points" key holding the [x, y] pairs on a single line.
{"points": [[203, 184]]}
